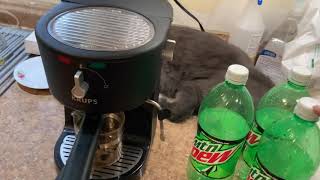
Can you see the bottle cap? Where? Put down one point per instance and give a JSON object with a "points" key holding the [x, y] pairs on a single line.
{"points": [[304, 109], [300, 75], [237, 74]]}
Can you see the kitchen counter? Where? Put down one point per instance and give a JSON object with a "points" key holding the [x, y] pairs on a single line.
{"points": [[30, 125]]}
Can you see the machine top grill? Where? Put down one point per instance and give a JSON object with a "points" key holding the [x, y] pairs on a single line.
{"points": [[101, 29]]}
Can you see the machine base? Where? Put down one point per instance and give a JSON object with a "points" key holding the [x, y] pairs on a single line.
{"points": [[130, 165]]}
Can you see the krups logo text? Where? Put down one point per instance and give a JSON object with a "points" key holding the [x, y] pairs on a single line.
{"points": [[85, 100]]}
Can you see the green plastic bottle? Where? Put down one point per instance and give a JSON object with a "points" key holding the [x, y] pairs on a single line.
{"points": [[289, 149], [225, 118], [275, 105]]}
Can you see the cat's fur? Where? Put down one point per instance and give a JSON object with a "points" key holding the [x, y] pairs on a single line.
{"points": [[200, 62]]}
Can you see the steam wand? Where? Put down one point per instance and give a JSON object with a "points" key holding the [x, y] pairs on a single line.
{"points": [[162, 114]]}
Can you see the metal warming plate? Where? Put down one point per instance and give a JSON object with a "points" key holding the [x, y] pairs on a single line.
{"points": [[130, 156], [101, 29]]}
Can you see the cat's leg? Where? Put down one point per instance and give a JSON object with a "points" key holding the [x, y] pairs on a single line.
{"points": [[183, 105]]}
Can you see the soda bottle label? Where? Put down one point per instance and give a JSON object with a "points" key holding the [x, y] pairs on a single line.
{"points": [[214, 158], [252, 141], [261, 173], [254, 136]]}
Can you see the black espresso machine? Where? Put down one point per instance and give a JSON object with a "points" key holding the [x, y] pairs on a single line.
{"points": [[102, 59]]}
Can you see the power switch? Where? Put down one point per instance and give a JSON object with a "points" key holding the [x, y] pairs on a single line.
{"points": [[81, 87]]}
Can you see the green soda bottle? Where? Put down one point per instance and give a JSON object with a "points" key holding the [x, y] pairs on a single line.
{"points": [[225, 118], [289, 149], [275, 105]]}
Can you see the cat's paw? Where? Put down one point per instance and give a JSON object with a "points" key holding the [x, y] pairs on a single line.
{"points": [[177, 118], [164, 114], [180, 108]]}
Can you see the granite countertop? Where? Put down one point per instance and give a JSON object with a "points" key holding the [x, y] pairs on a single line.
{"points": [[30, 125]]}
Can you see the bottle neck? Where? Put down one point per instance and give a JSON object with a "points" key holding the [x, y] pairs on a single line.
{"points": [[295, 86], [301, 120], [297, 12], [234, 86]]}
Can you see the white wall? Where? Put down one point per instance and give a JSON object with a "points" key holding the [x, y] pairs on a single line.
{"points": [[274, 11]]}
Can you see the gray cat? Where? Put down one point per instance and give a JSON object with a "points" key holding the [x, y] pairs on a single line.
{"points": [[200, 62]]}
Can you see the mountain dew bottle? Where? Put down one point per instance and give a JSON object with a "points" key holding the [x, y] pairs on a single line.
{"points": [[275, 105], [225, 118], [289, 149]]}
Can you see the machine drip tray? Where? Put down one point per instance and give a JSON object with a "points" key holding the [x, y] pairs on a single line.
{"points": [[130, 159]]}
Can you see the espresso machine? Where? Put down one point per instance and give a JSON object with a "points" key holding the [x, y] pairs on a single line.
{"points": [[102, 59]]}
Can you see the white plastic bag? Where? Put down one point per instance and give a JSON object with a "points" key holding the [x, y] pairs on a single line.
{"points": [[304, 50]]}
